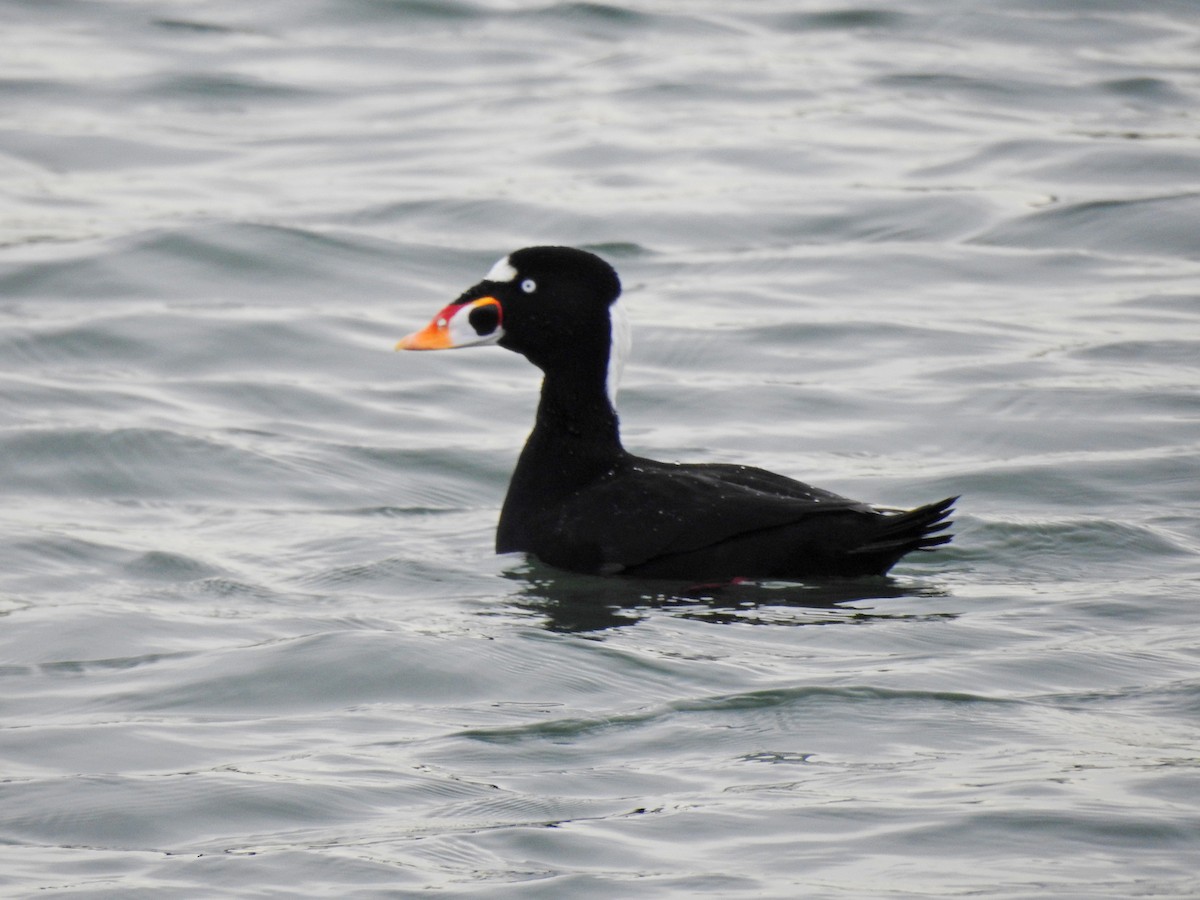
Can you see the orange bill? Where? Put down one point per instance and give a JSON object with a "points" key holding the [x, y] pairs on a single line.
{"points": [[434, 336], [456, 326]]}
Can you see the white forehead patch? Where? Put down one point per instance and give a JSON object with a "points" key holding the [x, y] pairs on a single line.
{"points": [[502, 271]]}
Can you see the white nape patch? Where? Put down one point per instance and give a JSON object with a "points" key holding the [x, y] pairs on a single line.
{"points": [[502, 271], [618, 352]]}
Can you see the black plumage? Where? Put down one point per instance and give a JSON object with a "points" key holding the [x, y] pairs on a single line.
{"points": [[579, 501]]}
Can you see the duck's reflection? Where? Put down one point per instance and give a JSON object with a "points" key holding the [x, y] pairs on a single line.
{"points": [[582, 603]]}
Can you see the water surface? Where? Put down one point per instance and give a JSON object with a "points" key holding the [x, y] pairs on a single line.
{"points": [[252, 634]]}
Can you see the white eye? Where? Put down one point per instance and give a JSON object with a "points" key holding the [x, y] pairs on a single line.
{"points": [[529, 285]]}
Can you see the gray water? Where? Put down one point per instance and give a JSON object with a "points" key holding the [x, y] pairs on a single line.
{"points": [[253, 638]]}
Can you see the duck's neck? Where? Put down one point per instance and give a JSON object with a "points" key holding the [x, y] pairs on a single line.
{"points": [[576, 439], [576, 410]]}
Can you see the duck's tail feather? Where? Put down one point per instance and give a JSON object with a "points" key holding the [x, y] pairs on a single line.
{"points": [[917, 529]]}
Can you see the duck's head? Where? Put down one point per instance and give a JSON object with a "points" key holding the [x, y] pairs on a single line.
{"points": [[557, 306]]}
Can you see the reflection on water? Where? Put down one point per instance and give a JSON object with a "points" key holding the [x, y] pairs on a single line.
{"points": [[586, 603]]}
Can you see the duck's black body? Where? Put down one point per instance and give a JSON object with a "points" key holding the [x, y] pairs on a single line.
{"points": [[578, 500]]}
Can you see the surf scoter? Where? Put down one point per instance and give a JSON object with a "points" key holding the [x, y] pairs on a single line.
{"points": [[579, 501]]}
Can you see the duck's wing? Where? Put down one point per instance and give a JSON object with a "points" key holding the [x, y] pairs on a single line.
{"points": [[648, 511], [841, 542]]}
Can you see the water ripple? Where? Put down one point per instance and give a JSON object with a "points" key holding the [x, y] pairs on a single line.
{"points": [[254, 633]]}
